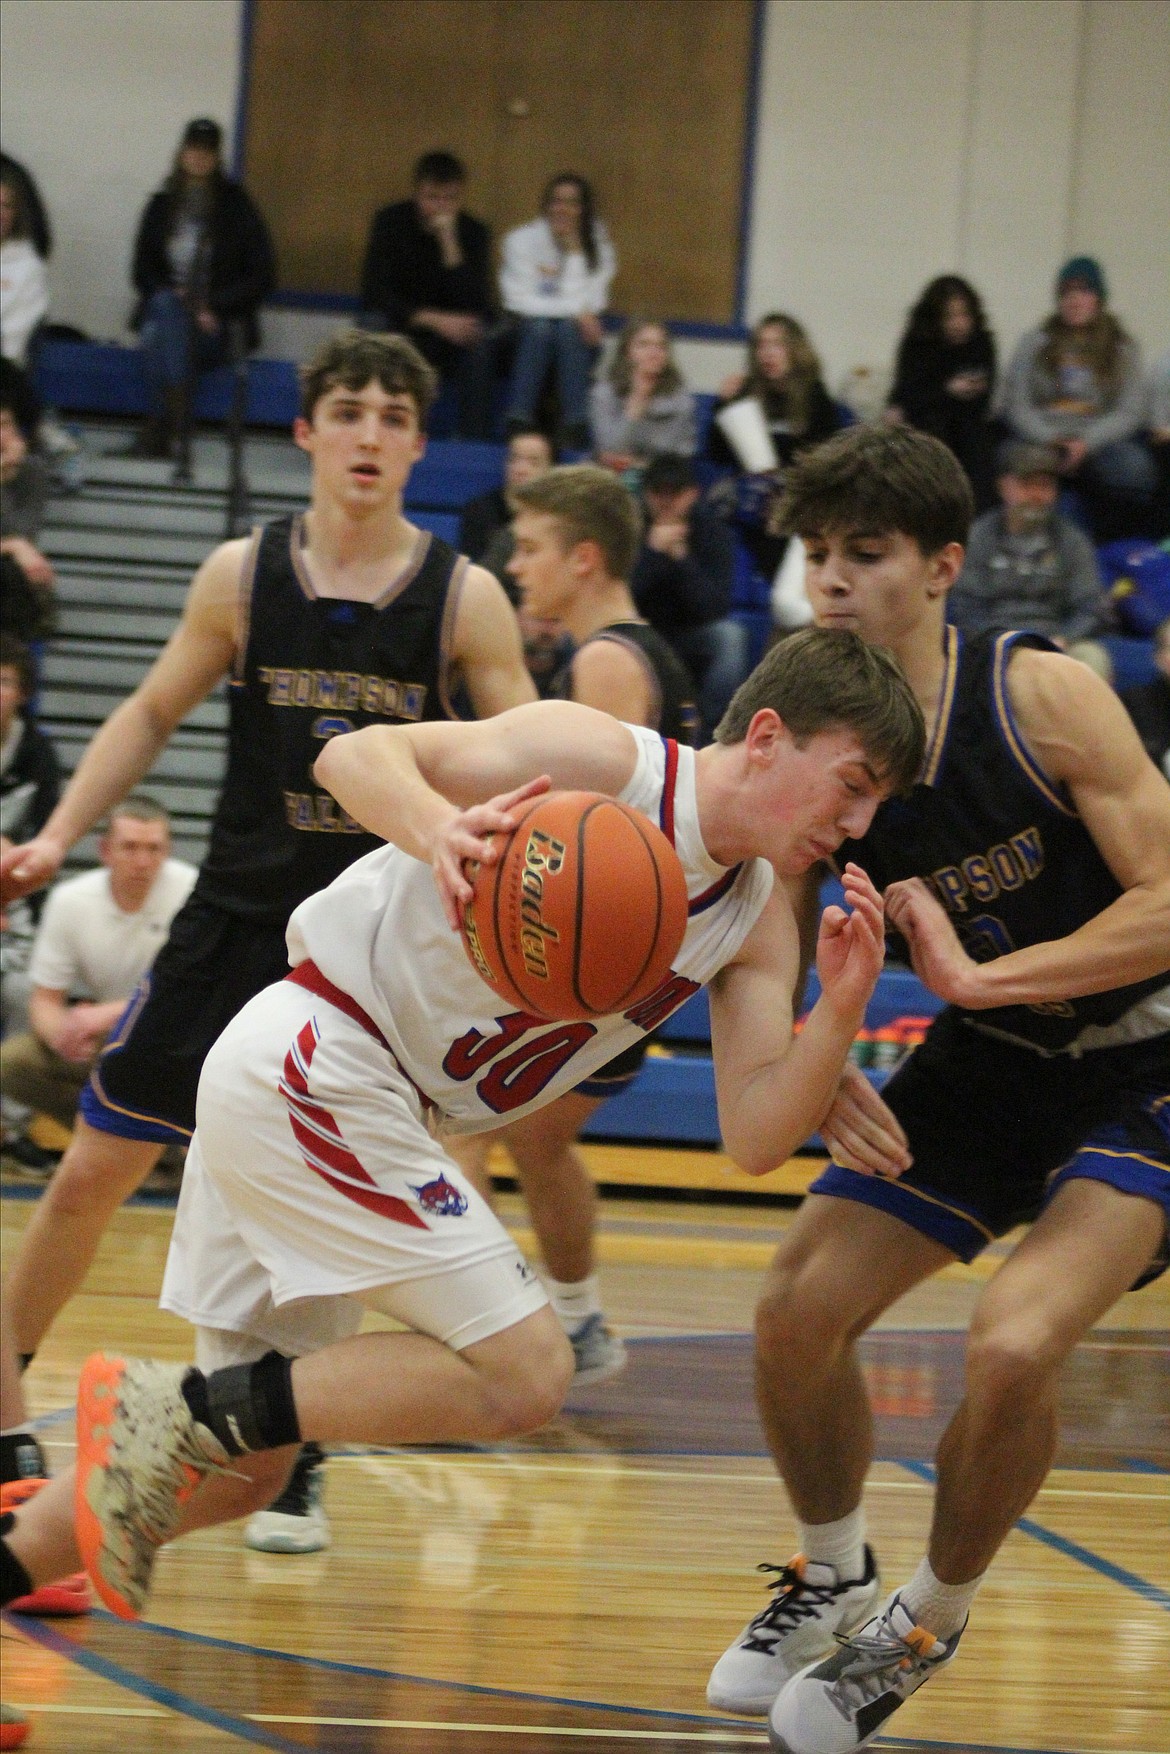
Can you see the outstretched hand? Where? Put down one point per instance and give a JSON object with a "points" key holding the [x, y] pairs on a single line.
{"points": [[936, 955], [851, 944], [475, 837]]}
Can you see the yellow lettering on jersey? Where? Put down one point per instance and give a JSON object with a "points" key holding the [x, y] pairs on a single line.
{"points": [[1006, 867], [1029, 849], [344, 691], [978, 875], [948, 880], [318, 813]]}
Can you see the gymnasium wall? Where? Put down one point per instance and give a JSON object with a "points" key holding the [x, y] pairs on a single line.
{"points": [[895, 139]]}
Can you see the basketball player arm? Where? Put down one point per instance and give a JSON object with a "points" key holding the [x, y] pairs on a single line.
{"points": [[486, 648], [197, 655], [441, 790], [775, 1087], [1081, 736]]}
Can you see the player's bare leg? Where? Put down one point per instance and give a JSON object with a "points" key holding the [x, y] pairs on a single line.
{"points": [[558, 1189], [1084, 1251], [839, 1266], [98, 1171]]}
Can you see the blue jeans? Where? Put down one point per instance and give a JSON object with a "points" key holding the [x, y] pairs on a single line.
{"points": [[545, 341], [716, 653], [168, 335]]}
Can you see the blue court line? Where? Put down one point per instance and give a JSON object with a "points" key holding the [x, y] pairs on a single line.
{"points": [[1139, 1465], [1071, 1549], [126, 1678], [123, 1677]]}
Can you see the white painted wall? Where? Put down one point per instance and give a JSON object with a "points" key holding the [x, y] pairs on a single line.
{"points": [[94, 96], [900, 139], [897, 139]]}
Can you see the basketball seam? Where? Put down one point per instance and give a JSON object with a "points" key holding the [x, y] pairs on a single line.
{"points": [[632, 818]]}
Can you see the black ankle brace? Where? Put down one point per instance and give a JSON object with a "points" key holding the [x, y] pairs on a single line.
{"points": [[247, 1406], [14, 1579], [21, 1457]]}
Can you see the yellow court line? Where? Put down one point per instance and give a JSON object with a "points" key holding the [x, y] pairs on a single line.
{"points": [[603, 1463], [615, 1249], [712, 1738]]}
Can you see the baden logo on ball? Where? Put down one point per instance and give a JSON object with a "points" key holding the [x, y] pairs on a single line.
{"points": [[583, 912]]}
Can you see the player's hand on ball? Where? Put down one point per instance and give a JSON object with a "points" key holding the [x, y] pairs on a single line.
{"points": [[936, 955], [861, 1132], [468, 838], [851, 943]]}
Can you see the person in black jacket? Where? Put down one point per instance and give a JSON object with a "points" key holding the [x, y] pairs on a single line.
{"points": [[427, 274], [944, 376], [682, 583], [203, 265]]}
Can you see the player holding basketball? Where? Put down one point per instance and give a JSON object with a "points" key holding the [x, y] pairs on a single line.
{"points": [[346, 616], [577, 533], [1029, 873], [317, 1183]]}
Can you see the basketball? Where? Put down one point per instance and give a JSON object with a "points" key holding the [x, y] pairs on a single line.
{"points": [[583, 912]]}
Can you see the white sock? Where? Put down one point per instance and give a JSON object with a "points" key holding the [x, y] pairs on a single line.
{"points": [[840, 1544], [574, 1303], [941, 1607]]}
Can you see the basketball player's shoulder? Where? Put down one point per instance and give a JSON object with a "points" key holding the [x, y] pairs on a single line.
{"points": [[1059, 705], [215, 588]]}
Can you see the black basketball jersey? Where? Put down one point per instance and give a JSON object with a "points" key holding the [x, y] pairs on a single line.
{"points": [[1000, 844], [673, 690], [308, 668]]}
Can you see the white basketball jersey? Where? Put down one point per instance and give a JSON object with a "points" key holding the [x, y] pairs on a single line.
{"points": [[379, 934]]}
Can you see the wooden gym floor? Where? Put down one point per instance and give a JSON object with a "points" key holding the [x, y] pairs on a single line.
{"points": [[571, 1591]]}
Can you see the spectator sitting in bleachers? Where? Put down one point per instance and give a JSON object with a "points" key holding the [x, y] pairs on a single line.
{"points": [[30, 782], [1026, 566], [1149, 703], [784, 380], [98, 935], [640, 407], [203, 265], [944, 375], [26, 607], [489, 517], [682, 583], [427, 274], [555, 281], [1076, 382], [485, 535], [24, 247]]}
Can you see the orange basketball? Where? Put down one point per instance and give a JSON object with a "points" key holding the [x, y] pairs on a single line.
{"points": [[584, 911]]}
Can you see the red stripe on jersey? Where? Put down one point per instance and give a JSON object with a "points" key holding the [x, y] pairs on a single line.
{"points": [[326, 1153], [666, 808]]}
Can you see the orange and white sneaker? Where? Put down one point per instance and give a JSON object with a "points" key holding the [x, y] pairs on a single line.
{"points": [[67, 1596], [140, 1456], [839, 1705]]}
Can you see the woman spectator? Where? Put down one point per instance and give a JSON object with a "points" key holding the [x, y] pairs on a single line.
{"points": [[641, 408], [555, 281], [202, 263], [1076, 382], [784, 379], [24, 245], [944, 376]]}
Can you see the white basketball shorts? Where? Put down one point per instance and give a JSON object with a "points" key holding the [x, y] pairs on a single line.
{"points": [[313, 1189]]}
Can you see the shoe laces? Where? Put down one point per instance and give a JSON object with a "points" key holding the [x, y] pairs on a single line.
{"points": [[875, 1662], [795, 1599]]}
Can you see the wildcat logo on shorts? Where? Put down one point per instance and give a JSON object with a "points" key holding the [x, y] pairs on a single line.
{"points": [[440, 1198]]}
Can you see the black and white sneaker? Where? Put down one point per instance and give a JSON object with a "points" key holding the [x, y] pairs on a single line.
{"points": [[810, 1605], [840, 1704], [296, 1521]]}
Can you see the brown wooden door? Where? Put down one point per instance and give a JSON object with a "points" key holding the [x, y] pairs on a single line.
{"points": [[647, 98]]}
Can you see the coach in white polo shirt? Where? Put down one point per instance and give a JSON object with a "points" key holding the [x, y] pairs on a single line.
{"points": [[98, 935]]}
